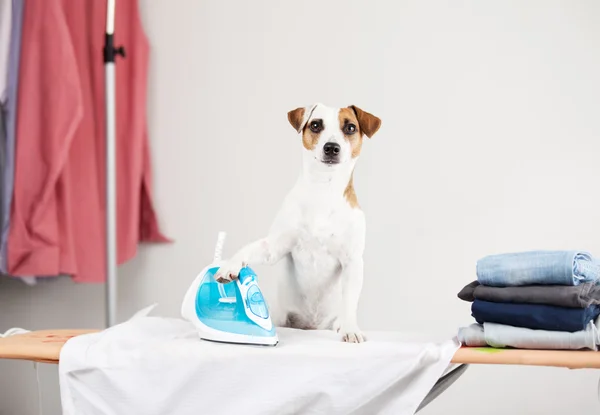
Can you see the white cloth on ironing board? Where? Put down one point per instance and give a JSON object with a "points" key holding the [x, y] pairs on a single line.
{"points": [[156, 366]]}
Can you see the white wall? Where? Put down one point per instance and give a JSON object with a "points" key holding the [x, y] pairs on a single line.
{"points": [[489, 144]]}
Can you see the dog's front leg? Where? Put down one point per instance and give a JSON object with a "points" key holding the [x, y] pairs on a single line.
{"points": [[267, 251], [352, 281]]}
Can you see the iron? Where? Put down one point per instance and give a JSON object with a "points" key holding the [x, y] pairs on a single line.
{"points": [[229, 313]]}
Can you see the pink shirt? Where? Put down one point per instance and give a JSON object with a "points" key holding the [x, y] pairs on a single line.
{"points": [[58, 210]]}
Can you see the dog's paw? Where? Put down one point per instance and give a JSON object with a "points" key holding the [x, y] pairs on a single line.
{"points": [[352, 335], [228, 271]]}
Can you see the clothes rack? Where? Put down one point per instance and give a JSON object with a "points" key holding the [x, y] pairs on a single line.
{"points": [[110, 53]]}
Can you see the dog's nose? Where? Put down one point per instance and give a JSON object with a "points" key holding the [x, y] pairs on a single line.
{"points": [[331, 149]]}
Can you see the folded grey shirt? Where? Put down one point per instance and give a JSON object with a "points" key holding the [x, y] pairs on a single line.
{"points": [[502, 336], [578, 296]]}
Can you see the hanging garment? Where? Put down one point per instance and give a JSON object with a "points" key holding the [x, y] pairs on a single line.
{"points": [[3, 115], [10, 108], [156, 366], [5, 30], [11, 10], [58, 212]]}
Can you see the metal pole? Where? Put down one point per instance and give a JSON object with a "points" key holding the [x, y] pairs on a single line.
{"points": [[110, 53]]}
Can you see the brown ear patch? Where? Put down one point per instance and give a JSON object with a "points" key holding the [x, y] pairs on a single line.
{"points": [[295, 118], [369, 124], [350, 194], [348, 116]]}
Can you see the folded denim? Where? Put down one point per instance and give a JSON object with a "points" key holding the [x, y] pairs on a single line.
{"points": [[578, 296], [537, 268], [534, 316], [502, 336]]}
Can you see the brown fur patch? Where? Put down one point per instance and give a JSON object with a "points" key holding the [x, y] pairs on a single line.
{"points": [[295, 118], [345, 116], [369, 124], [350, 194], [310, 139]]}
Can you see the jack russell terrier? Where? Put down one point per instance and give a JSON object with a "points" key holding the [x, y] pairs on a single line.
{"points": [[320, 228]]}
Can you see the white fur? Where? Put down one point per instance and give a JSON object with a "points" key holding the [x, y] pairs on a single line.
{"points": [[320, 236]]}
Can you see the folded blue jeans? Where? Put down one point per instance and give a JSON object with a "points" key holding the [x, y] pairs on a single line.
{"points": [[502, 336], [537, 268], [534, 316]]}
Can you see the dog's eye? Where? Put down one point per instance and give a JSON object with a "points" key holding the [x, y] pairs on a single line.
{"points": [[315, 126], [349, 129]]}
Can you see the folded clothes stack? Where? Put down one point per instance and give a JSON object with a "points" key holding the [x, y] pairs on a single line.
{"points": [[535, 300]]}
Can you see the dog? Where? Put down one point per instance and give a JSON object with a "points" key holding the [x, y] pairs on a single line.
{"points": [[320, 228]]}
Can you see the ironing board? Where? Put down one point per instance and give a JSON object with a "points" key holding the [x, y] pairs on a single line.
{"points": [[45, 345], [41, 346]]}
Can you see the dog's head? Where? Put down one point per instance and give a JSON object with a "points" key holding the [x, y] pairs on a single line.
{"points": [[333, 136]]}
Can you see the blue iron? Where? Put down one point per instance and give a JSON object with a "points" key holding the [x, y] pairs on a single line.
{"points": [[229, 313]]}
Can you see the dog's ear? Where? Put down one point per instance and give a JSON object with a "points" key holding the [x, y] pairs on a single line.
{"points": [[369, 124], [296, 118], [300, 116]]}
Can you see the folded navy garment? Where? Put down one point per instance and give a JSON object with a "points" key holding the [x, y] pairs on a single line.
{"points": [[534, 316], [537, 268]]}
